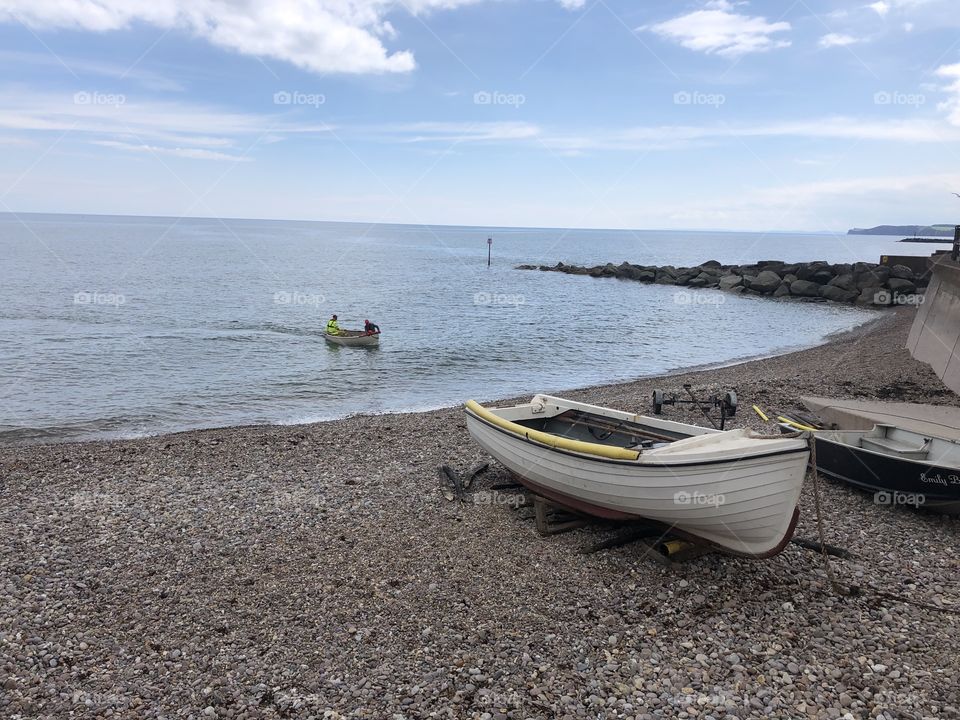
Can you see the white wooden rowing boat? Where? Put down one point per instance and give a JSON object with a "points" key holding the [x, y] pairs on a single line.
{"points": [[735, 489], [353, 338]]}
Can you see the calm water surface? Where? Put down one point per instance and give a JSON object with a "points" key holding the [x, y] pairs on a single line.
{"points": [[122, 327]]}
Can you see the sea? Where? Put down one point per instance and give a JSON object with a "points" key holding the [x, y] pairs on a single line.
{"points": [[123, 327]]}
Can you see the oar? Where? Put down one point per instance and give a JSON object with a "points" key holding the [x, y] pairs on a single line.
{"points": [[794, 424]]}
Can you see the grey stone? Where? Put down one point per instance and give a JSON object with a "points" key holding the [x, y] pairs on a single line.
{"points": [[766, 282], [822, 276], [844, 282], [901, 287], [804, 288], [902, 272], [728, 282], [831, 292], [870, 279]]}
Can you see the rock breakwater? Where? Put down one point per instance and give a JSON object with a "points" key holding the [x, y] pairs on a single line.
{"points": [[860, 283]]}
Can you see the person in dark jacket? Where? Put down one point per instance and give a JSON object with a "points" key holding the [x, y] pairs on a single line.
{"points": [[370, 328]]}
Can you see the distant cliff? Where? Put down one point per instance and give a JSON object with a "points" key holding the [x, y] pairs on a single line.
{"points": [[906, 230]]}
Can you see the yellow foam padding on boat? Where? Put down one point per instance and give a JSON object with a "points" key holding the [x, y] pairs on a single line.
{"points": [[797, 425], [553, 441]]}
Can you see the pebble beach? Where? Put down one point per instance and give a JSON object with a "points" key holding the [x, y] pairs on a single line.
{"points": [[316, 571]]}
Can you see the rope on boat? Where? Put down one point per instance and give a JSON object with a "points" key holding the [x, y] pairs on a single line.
{"points": [[823, 540]]}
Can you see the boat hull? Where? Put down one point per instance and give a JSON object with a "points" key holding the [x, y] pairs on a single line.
{"points": [[745, 505], [893, 480], [353, 340]]}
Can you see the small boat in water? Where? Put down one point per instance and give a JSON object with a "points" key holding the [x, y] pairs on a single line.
{"points": [[900, 466], [352, 338], [734, 489]]}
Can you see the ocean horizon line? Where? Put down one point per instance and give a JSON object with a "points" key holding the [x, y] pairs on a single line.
{"points": [[486, 228]]}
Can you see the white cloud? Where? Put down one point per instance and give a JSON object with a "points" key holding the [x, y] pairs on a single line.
{"points": [[189, 153], [342, 36], [908, 27], [68, 65], [173, 128], [951, 105], [669, 137], [718, 28], [837, 40], [880, 7], [454, 132]]}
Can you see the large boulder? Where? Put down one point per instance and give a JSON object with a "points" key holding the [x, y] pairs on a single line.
{"points": [[822, 276], [899, 286], [647, 275], [728, 282], [844, 282], [872, 279], [804, 288], [711, 264], [701, 280], [806, 271], [783, 290], [766, 282], [789, 278], [842, 268], [832, 292], [868, 296], [861, 267], [902, 272]]}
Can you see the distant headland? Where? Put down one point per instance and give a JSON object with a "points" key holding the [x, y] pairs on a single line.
{"points": [[906, 230]]}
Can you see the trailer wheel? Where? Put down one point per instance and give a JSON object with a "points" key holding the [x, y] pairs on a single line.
{"points": [[730, 400], [658, 402]]}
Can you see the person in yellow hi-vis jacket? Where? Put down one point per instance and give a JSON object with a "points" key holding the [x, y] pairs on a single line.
{"points": [[333, 328]]}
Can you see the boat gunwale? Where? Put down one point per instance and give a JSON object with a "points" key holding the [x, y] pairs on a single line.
{"points": [[525, 436]]}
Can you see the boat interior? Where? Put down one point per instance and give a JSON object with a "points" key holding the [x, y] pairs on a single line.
{"points": [[906, 444], [589, 427]]}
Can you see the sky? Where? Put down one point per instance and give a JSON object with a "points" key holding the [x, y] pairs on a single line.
{"points": [[710, 114]]}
